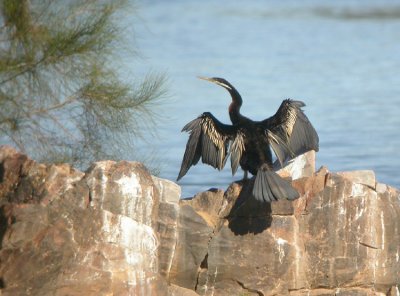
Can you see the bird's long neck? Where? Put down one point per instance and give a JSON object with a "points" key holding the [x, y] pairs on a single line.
{"points": [[234, 107]]}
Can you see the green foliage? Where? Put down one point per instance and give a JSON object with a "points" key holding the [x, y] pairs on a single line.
{"points": [[61, 98]]}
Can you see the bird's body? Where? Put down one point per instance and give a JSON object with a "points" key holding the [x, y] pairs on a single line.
{"points": [[248, 142], [254, 153]]}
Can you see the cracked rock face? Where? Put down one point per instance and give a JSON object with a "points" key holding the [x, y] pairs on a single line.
{"points": [[117, 230], [64, 232]]}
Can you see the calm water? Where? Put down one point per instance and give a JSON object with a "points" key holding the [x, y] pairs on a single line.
{"points": [[342, 58]]}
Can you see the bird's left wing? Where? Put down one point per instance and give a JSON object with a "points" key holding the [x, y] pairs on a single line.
{"points": [[209, 140], [289, 131]]}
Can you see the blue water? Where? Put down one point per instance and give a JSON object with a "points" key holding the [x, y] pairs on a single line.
{"points": [[342, 58]]}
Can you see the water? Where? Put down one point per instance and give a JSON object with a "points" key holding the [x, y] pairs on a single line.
{"points": [[342, 58]]}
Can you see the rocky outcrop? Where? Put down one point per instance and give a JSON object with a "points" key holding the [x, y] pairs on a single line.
{"points": [[117, 230], [64, 232]]}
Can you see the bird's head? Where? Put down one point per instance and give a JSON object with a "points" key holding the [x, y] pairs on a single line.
{"points": [[219, 81]]}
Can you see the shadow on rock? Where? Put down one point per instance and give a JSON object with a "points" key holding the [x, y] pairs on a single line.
{"points": [[249, 215], [1, 172], [3, 225]]}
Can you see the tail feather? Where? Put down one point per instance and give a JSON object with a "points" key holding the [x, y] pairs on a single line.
{"points": [[269, 186]]}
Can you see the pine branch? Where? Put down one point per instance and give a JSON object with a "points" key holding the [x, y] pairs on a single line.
{"points": [[60, 94]]}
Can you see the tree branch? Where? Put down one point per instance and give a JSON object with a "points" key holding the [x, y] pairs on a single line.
{"points": [[55, 107]]}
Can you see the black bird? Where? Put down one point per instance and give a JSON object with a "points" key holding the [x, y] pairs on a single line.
{"points": [[289, 133]]}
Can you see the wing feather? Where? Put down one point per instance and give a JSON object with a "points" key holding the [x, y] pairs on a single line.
{"points": [[279, 146], [209, 141], [289, 131], [236, 151]]}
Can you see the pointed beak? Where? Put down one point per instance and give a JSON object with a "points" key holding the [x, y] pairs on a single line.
{"points": [[215, 81], [206, 79]]}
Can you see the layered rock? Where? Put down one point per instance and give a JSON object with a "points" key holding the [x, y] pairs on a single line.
{"points": [[116, 229], [342, 237], [64, 232]]}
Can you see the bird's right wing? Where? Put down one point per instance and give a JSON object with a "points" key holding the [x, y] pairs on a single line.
{"points": [[209, 140], [289, 131]]}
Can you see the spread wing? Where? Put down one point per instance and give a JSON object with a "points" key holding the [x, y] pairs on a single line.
{"points": [[236, 150], [209, 140], [289, 131]]}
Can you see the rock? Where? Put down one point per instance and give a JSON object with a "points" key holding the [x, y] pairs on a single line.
{"points": [[58, 239], [360, 177], [174, 290], [394, 291], [167, 225], [341, 233], [123, 188], [191, 245], [301, 166], [25, 181], [115, 229], [167, 229], [337, 291], [169, 191]]}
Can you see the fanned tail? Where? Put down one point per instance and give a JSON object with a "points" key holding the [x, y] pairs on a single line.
{"points": [[269, 186]]}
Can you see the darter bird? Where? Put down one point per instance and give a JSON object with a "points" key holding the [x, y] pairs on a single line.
{"points": [[289, 133]]}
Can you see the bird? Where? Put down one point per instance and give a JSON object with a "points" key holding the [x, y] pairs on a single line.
{"points": [[288, 133]]}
